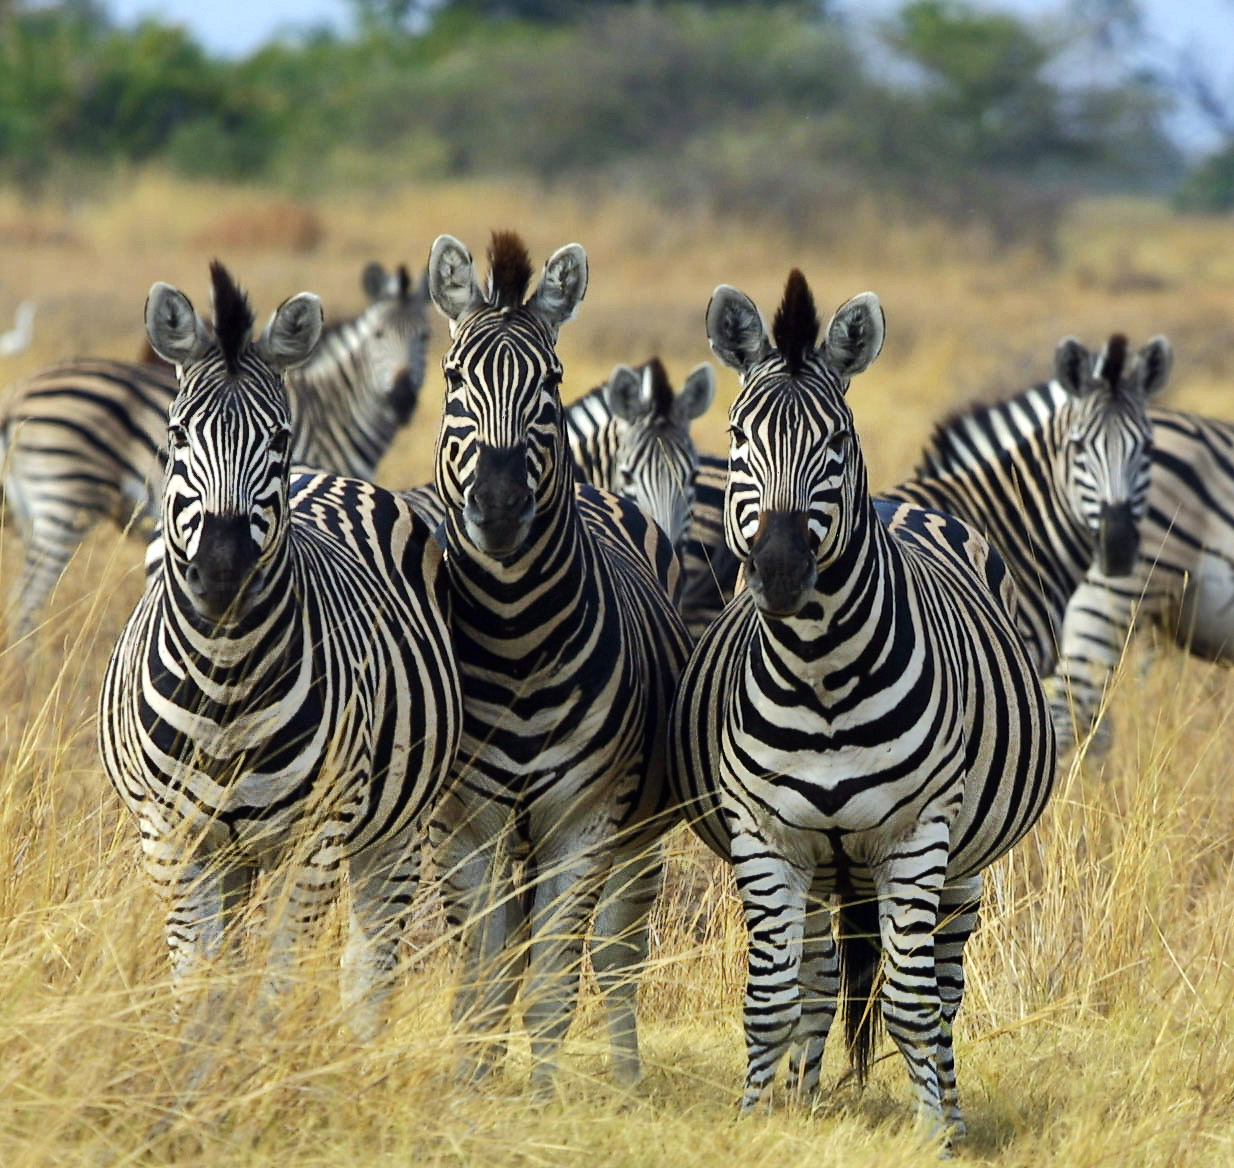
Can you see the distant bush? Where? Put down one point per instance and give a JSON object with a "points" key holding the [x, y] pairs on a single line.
{"points": [[1209, 187]]}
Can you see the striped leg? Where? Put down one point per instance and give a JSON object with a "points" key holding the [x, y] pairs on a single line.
{"points": [[958, 914], [910, 882], [773, 893], [564, 897], [482, 904], [48, 548], [383, 886], [820, 989], [619, 949]]}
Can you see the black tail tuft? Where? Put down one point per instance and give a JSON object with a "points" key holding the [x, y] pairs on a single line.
{"points": [[859, 955]]}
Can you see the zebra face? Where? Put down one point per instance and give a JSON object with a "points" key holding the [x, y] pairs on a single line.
{"points": [[655, 461], [225, 508], [1108, 451], [395, 331], [502, 446], [797, 480]]}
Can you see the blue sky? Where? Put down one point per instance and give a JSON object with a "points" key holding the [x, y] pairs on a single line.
{"points": [[1204, 28]]}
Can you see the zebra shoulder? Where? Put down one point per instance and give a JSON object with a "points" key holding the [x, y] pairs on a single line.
{"points": [[943, 536]]}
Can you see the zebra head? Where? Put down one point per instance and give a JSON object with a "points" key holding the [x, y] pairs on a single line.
{"points": [[655, 462], [1108, 440], [797, 480], [502, 449], [395, 335], [225, 510]]}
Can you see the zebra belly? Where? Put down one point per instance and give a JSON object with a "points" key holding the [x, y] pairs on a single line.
{"points": [[1205, 618]]}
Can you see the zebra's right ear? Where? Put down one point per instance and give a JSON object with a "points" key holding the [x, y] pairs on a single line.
{"points": [[624, 394], [696, 394], [452, 279], [374, 280], [1155, 360], [176, 332], [293, 332], [1072, 366], [736, 329]]}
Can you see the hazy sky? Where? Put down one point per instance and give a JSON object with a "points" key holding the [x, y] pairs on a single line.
{"points": [[235, 27]]}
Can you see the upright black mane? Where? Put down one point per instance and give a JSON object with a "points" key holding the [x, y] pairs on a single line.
{"points": [[795, 328], [233, 315], [509, 269], [661, 390], [1113, 361]]}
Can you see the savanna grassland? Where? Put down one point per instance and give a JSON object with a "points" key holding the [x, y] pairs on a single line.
{"points": [[1098, 1026]]}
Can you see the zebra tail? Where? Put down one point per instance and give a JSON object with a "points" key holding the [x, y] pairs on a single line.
{"points": [[859, 956]]}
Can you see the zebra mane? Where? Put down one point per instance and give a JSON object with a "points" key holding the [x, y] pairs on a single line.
{"points": [[1111, 364], [661, 390], [404, 282], [233, 315], [509, 270], [795, 328]]}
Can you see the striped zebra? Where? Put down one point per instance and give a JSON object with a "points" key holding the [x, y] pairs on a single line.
{"points": [[862, 721], [569, 650], [1057, 479], [84, 441], [1183, 577], [284, 694]]}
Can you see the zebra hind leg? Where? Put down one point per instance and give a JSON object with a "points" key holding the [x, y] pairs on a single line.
{"points": [[958, 915], [619, 950], [820, 989], [773, 893]]}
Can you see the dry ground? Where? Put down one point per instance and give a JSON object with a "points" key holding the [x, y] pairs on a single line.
{"points": [[1098, 1026]]}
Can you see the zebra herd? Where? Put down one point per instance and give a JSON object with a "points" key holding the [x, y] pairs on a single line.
{"points": [[583, 633]]}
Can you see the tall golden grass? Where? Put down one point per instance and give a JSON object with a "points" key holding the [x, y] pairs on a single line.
{"points": [[1097, 1027]]}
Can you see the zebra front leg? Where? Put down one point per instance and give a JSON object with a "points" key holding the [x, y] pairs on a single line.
{"points": [[619, 950], [384, 880], [958, 912], [819, 979], [773, 893], [909, 884], [563, 899]]}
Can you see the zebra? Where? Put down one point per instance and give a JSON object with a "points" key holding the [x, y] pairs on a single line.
{"points": [[862, 721], [1056, 477], [569, 650], [84, 441], [284, 694], [1183, 577]]}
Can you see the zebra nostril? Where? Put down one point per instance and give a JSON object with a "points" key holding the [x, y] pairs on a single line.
{"points": [[193, 575]]}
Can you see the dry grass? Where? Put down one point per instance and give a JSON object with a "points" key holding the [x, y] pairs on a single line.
{"points": [[1098, 1026]]}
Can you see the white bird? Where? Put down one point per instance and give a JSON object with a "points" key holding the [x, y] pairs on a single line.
{"points": [[19, 337]]}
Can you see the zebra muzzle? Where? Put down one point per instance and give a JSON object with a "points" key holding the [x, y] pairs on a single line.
{"points": [[500, 505], [224, 568], [1118, 540], [781, 570]]}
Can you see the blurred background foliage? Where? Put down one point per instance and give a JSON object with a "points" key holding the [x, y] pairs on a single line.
{"points": [[780, 108]]}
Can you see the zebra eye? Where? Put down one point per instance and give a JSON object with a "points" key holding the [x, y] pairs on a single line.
{"points": [[280, 440], [176, 436], [454, 380], [626, 477], [737, 436]]}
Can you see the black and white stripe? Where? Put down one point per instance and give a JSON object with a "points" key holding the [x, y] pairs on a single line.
{"points": [[284, 695], [569, 649], [84, 441], [862, 722]]}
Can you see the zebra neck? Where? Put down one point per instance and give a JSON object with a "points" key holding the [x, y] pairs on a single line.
{"points": [[592, 432]]}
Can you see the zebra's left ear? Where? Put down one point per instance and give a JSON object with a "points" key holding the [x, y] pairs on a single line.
{"points": [[696, 394], [624, 393], [374, 280], [176, 332], [736, 330], [1156, 359], [452, 279], [562, 287], [293, 332], [855, 335], [1072, 366]]}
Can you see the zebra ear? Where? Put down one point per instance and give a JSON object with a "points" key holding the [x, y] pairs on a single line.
{"points": [[176, 332], [562, 287], [374, 280], [293, 332], [452, 279], [736, 330], [624, 394], [696, 394], [1072, 366], [855, 335], [1156, 359]]}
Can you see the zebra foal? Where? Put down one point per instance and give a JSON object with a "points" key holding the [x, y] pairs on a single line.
{"points": [[85, 441], [569, 650], [861, 722], [284, 694]]}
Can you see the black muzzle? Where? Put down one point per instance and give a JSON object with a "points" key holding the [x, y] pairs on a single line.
{"points": [[224, 567], [1118, 540], [500, 505], [781, 570]]}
